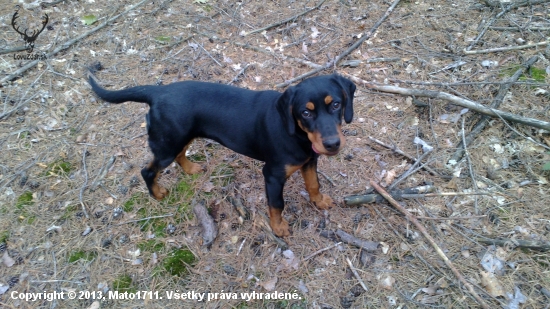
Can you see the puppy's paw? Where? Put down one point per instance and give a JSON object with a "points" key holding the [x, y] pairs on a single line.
{"points": [[193, 168], [323, 201], [159, 192], [280, 228]]}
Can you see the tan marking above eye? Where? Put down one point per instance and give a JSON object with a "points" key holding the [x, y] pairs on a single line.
{"points": [[310, 106], [328, 99]]}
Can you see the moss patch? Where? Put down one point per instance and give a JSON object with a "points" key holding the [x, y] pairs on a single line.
{"points": [[58, 168], [534, 74], [151, 246], [82, 255], [177, 261], [123, 283], [4, 236], [138, 198]]}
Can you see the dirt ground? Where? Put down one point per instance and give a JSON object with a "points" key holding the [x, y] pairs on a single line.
{"points": [[75, 215]]}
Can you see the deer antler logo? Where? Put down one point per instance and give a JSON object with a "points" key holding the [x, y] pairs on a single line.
{"points": [[29, 38]]}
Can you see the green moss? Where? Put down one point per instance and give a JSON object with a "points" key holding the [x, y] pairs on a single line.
{"points": [[4, 236], [177, 261], [123, 283], [82, 255], [534, 74], [223, 175], [23, 200], [151, 246], [58, 168], [138, 198], [182, 191], [69, 211], [163, 39]]}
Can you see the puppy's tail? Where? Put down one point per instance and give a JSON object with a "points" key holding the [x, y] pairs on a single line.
{"points": [[136, 94]]}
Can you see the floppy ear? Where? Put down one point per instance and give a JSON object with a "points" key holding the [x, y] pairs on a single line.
{"points": [[284, 106], [348, 89]]}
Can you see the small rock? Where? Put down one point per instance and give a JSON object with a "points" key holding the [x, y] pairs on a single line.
{"points": [[33, 184], [229, 270], [122, 189]]}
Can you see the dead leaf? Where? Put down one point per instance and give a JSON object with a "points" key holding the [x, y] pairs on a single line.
{"points": [[387, 282], [491, 284], [269, 285], [7, 260]]}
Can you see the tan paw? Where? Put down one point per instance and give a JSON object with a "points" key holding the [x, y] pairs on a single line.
{"points": [[323, 201], [281, 228], [159, 192], [193, 168]]}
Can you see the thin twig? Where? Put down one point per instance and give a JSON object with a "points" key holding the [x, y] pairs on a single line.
{"points": [[520, 28], [145, 219], [452, 218], [67, 45], [469, 162], [410, 171], [455, 100], [85, 182], [321, 251], [396, 149], [102, 173], [428, 237], [508, 48], [356, 275], [286, 20], [241, 72], [209, 55]]}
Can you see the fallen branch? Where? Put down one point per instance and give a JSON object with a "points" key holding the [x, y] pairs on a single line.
{"points": [[517, 243], [145, 219], [397, 194], [513, 5], [453, 99], [356, 275], [264, 224], [85, 182], [484, 120], [67, 44], [321, 251], [286, 20], [499, 49], [209, 229], [241, 72], [520, 28], [359, 243], [348, 51], [432, 242], [102, 173], [396, 149]]}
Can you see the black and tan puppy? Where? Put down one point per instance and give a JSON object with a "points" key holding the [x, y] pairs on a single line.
{"points": [[288, 131]]}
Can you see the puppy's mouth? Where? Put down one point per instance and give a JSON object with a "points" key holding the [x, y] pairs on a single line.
{"points": [[326, 153]]}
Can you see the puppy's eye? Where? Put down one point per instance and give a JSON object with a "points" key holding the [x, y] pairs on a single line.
{"points": [[306, 114], [335, 105]]}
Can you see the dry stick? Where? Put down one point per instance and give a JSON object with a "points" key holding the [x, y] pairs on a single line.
{"points": [[467, 154], [356, 275], [410, 171], [499, 49], [428, 237], [451, 218], [286, 20], [513, 5], [85, 182], [396, 149], [144, 219], [321, 251], [66, 45], [520, 28], [453, 99], [495, 104], [348, 51], [241, 72]]}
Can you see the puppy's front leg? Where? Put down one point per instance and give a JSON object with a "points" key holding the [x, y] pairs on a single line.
{"points": [[309, 172], [274, 183]]}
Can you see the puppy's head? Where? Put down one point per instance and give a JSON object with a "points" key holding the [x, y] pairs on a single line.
{"points": [[316, 107]]}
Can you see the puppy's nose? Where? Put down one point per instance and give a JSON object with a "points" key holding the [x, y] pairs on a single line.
{"points": [[332, 144]]}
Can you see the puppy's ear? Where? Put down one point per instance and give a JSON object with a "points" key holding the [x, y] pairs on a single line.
{"points": [[284, 106], [348, 89]]}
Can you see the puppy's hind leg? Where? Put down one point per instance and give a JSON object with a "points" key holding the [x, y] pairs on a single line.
{"points": [[188, 166], [151, 173]]}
